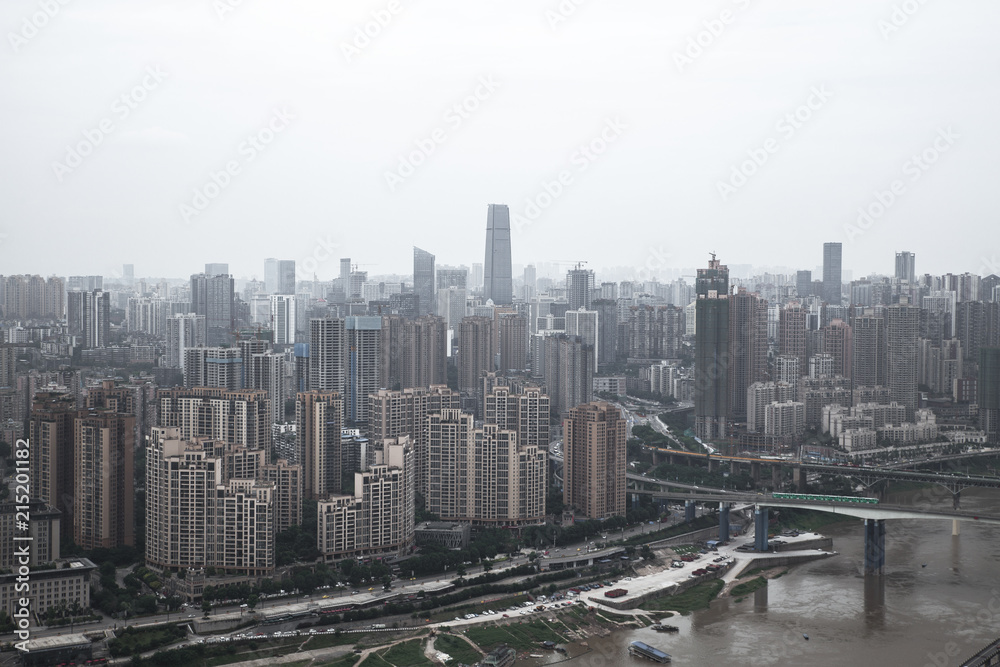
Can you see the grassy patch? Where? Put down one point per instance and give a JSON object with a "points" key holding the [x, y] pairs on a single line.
{"points": [[459, 649], [134, 640], [343, 661], [748, 587], [326, 641], [520, 636], [407, 654], [694, 598]]}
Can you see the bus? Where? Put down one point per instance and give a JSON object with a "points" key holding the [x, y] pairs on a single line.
{"points": [[834, 499]]}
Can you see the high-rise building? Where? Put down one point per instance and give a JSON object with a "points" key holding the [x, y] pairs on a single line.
{"points": [[832, 279], [29, 297], [213, 295], [747, 348], [266, 371], [89, 314], [988, 388], [585, 324], [906, 267], [525, 412], [283, 318], [287, 480], [279, 276], [104, 471], [327, 352], [241, 417], [594, 438], [363, 365], [452, 277], [183, 332], [424, 353], [838, 342], [869, 357], [569, 372], [580, 288], [902, 326], [482, 475], [213, 367], [498, 284], [711, 383], [8, 365], [51, 432], [451, 305], [476, 284], [803, 284], [396, 414], [319, 419], [607, 330], [530, 282], [793, 323], [476, 351], [512, 330], [379, 518], [423, 281]]}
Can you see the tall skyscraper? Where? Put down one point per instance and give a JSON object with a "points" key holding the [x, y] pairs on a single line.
{"points": [[89, 314], [906, 266], [594, 454], [476, 351], [869, 358], [476, 279], [711, 380], [327, 352], [607, 330], [51, 432], [902, 324], [283, 318], [585, 323], [213, 296], [988, 388], [103, 480], [803, 284], [747, 348], [362, 374], [792, 327], [213, 367], [513, 341], [279, 276], [423, 281], [216, 269], [580, 288], [498, 284], [530, 281], [318, 418], [832, 279], [569, 372], [266, 371], [183, 332]]}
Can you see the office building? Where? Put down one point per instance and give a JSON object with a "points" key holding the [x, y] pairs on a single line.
{"points": [[423, 281], [711, 384], [832, 277], [906, 267], [803, 284], [319, 420], [498, 285], [594, 438]]}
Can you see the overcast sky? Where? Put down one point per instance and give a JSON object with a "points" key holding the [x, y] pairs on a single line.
{"points": [[332, 113]]}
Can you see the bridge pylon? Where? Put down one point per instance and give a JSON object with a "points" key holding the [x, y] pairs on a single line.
{"points": [[724, 522], [760, 528], [874, 546]]}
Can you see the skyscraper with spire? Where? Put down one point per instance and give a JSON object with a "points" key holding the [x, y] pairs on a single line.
{"points": [[711, 372], [498, 283]]}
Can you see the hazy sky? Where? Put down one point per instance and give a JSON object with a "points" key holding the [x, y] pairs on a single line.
{"points": [[114, 114]]}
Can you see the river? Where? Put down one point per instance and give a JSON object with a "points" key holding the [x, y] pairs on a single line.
{"points": [[937, 604]]}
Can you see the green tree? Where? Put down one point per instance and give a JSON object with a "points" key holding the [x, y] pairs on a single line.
{"points": [[206, 607]]}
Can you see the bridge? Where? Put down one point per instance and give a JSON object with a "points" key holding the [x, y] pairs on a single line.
{"points": [[874, 515], [984, 658]]}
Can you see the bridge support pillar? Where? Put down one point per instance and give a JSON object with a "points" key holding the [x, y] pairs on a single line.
{"points": [[760, 528], [776, 477], [956, 499], [956, 528], [688, 511], [709, 464], [799, 479], [755, 473], [723, 522], [874, 546]]}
